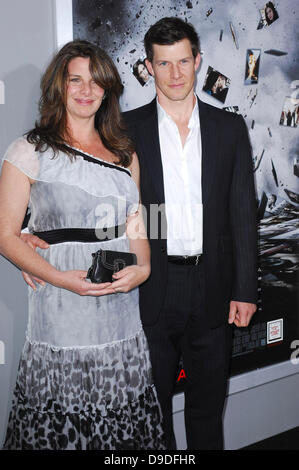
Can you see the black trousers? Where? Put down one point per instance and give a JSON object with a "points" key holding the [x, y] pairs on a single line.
{"points": [[182, 330]]}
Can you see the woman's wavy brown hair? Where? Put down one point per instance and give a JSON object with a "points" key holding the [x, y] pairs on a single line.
{"points": [[51, 130]]}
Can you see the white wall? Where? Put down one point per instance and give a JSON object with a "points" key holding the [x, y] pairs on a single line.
{"points": [[27, 38]]}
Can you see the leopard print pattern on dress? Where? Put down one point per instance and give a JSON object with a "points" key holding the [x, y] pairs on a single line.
{"points": [[96, 398]]}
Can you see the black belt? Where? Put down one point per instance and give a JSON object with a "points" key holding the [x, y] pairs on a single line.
{"points": [[84, 235], [193, 260]]}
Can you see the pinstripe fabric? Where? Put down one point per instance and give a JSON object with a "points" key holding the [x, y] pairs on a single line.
{"points": [[183, 329], [243, 221], [229, 210], [188, 314]]}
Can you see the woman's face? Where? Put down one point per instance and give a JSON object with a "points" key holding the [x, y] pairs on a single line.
{"points": [[83, 95], [143, 73], [221, 82], [269, 13]]}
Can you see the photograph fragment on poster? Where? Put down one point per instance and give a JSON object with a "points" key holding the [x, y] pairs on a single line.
{"points": [[216, 84], [290, 112], [294, 197], [252, 66], [269, 14], [140, 72], [275, 205]]}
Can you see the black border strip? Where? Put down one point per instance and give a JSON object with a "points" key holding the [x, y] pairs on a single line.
{"points": [[99, 162]]}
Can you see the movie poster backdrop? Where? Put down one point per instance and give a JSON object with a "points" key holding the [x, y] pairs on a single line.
{"points": [[249, 67]]}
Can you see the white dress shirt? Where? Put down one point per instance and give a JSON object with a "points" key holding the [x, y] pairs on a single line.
{"points": [[182, 184]]}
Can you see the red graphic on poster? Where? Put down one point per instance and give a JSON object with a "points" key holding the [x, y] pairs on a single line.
{"points": [[182, 375]]}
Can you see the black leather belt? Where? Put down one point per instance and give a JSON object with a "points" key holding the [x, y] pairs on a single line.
{"points": [[193, 260], [83, 235]]}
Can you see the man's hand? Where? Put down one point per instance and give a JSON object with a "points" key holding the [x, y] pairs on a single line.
{"points": [[33, 241], [240, 313]]}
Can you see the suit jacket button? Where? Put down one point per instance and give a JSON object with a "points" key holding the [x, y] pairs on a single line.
{"points": [[163, 249]]}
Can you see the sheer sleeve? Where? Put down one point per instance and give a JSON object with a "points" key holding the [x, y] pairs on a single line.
{"points": [[132, 208], [22, 154]]}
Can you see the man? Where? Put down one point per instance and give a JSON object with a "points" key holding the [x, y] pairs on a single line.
{"points": [[196, 174], [197, 158]]}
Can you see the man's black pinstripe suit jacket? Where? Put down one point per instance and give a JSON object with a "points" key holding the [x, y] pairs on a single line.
{"points": [[229, 210]]}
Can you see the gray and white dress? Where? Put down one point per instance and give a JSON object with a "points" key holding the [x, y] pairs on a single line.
{"points": [[84, 379]]}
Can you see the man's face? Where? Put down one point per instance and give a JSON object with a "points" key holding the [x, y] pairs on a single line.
{"points": [[143, 73], [174, 68]]}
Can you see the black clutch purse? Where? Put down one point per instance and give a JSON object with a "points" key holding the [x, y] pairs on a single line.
{"points": [[105, 263]]}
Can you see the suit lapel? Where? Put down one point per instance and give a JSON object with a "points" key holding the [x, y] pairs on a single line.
{"points": [[151, 142], [210, 149]]}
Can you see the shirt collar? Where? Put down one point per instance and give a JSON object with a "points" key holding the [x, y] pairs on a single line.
{"points": [[193, 121]]}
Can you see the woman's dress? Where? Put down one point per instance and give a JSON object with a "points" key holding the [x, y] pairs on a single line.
{"points": [[84, 379]]}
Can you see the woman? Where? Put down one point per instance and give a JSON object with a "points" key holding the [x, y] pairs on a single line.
{"points": [[251, 69], [270, 13], [84, 380]]}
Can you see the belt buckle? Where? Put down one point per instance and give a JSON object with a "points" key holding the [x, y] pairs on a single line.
{"points": [[197, 260]]}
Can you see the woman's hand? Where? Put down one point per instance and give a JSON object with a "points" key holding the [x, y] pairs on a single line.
{"points": [[75, 281], [34, 242], [130, 277]]}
